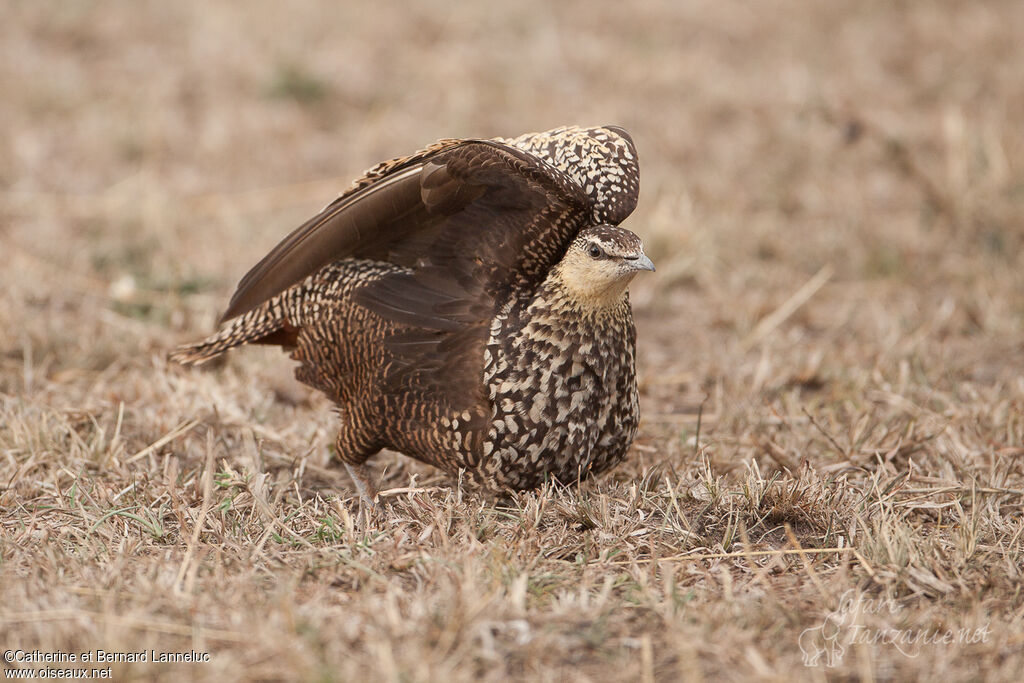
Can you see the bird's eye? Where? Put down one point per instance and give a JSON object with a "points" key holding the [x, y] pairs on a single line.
{"points": [[595, 251]]}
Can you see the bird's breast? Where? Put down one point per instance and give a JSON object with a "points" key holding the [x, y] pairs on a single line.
{"points": [[553, 378]]}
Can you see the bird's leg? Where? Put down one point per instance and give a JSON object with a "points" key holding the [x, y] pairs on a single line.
{"points": [[353, 448], [361, 478]]}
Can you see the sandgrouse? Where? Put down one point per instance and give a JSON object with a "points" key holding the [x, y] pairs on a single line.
{"points": [[466, 306]]}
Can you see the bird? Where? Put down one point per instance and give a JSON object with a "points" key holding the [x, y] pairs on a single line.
{"points": [[467, 306]]}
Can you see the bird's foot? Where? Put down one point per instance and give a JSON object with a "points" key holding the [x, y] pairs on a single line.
{"points": [[360, 475]]}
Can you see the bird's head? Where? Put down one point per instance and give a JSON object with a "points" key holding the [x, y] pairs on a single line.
{"points": [[600, 263]]}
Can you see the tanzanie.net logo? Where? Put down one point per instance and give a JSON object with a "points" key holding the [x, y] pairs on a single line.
{"points": [[863, 620]]}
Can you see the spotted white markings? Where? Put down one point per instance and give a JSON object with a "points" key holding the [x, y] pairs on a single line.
{"points": [[602, 161], [562, 385]]}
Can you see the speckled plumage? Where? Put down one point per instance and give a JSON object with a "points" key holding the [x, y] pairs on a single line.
{"points": [[562, 384], [466, 306]]}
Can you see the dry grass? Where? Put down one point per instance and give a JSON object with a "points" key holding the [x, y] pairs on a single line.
{"points": [[834, 196]]}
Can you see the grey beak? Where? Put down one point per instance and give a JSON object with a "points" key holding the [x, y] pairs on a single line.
{"points": [[642, 263]]}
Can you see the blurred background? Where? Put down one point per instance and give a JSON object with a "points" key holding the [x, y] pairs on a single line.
{"points": [[153, 151], [828, 189], [833, 193]]}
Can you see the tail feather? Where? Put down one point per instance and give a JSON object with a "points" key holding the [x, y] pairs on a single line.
{"points": [[266, 321]]}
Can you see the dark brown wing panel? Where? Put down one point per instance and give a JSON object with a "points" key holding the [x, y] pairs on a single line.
{"points": [[363, 222], [476, 221], [522, 217], [388, 213], [379, 209]]}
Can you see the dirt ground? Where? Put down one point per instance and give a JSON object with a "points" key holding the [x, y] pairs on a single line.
{"points": [[829, 476]]}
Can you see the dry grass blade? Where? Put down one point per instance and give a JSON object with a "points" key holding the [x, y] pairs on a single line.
{"points": [[700, 557], [197, 526], [156, 626], [788, 307], [830, 457], [176, 433]]}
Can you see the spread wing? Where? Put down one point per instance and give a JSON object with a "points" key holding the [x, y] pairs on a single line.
{"points": [[379, 208], [388, 204], [477, 222]]}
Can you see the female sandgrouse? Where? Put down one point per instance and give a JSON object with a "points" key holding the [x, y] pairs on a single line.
{"points": [[466, 306]]}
